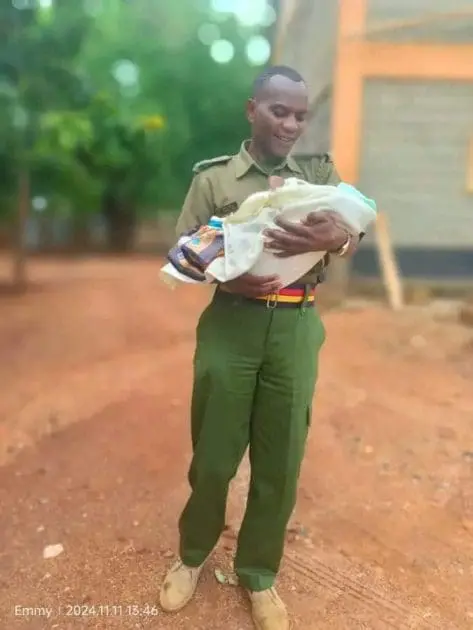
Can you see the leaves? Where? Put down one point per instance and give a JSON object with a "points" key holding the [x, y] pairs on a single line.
{"points": [[83, 131], [223, 578]]}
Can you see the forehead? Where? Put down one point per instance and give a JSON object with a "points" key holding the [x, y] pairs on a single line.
{"points": [[280, 89]]}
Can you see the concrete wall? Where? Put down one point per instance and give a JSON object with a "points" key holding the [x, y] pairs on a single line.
{"points": [[415, 156], [444, 29], [414, 161]]}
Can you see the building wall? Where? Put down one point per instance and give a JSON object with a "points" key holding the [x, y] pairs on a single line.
{"points": [[441, 29], [407, 144], [414, 159]]}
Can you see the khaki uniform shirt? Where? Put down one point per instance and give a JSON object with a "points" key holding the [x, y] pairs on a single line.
{"points": [[220, 186]]}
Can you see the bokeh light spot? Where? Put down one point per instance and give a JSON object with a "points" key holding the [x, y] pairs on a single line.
{"points": [[223, 6], [126, 72], [222, 51], [269, 17], [208, 33], [39, 204], [251, 12], [258, 50]]}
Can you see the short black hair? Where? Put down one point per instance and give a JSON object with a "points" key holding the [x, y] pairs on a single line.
{"points": [[274, 71]]}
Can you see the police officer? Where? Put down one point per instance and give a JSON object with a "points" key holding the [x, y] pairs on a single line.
{"points": [[256, 357]]}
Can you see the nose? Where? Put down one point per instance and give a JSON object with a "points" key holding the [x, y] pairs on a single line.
{"points": [[291, 124]]}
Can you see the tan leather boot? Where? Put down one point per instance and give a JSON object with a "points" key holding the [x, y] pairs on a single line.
{"points": [[179, 586], [268, 610]]}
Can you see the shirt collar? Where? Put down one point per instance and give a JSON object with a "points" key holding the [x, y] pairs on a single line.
{"points": [[244, 162]]}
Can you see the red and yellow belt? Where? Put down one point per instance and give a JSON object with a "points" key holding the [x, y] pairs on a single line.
{"points": [[290, 296]]}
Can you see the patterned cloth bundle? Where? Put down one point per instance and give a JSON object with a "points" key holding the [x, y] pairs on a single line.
{"points": [[196, 249]]}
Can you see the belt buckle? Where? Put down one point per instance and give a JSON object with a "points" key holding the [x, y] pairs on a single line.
{"points": [[305, 299], [272, 301]]}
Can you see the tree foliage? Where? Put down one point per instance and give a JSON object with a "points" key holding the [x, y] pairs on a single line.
{"points": [[109, 103]]}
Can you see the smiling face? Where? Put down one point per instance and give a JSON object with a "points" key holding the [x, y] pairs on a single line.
{"points": [[278, 116]]}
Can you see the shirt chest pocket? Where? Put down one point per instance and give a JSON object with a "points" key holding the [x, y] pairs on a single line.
{"points": [[223, 210]]}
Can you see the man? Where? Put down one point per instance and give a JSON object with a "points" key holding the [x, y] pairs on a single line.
{"points": [[256, 358]]}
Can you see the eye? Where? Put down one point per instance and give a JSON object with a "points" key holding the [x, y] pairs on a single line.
{"points": [[279, 111]]}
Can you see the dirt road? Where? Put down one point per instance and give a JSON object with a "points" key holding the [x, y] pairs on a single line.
{"points": [[95, 377]]}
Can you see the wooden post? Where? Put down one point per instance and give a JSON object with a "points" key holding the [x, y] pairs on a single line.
{"points": [[388, 263]]}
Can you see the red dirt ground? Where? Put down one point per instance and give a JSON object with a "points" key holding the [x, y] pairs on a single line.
{"points": [[95, 377]]}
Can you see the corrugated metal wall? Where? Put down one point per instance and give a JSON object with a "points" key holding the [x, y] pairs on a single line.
{"points": [[414, 159]]}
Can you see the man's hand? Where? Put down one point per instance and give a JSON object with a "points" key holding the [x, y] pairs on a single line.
{"points": [[320, 231], [252, 286]]}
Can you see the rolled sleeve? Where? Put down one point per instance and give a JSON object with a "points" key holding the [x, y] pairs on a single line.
{"points": [[197, 207]]}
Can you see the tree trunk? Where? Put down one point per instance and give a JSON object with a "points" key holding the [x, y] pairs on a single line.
{"points": [[121, 223], [80, 234], [21, 218]]}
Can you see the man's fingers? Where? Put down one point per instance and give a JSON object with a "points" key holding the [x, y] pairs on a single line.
{"points": [[269, 288], [281, 239], [264, 289], [316, 218], [287, 243], [329, 217], [293, 228]]}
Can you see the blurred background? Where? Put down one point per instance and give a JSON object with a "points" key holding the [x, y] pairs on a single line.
{"points": [[107, 104]]}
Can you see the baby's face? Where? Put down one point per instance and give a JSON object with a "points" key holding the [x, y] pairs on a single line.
{"points": [[275, 181]]}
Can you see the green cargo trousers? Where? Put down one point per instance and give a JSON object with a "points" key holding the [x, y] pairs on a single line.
{"points": [[255, 370]]}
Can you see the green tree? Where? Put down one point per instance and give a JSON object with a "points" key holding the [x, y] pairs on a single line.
{"points": [[106, 113], [147, 58], [37, 73]]}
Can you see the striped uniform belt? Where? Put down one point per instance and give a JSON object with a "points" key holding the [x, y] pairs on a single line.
{"points": [[294, 295]]}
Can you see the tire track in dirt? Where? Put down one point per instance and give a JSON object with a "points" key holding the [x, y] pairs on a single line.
{"points": [[390, 613]]}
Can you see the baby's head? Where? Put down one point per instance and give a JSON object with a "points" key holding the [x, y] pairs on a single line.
{"points": [[275, 181]]}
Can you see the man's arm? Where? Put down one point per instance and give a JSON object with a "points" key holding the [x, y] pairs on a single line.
{"points": [[333, 179], [198, 205]]}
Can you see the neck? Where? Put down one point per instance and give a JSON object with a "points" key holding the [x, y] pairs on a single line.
{"points": [[262, 158]]}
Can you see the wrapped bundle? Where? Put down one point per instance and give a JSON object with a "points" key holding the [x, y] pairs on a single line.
{"points": [[226, 248]]}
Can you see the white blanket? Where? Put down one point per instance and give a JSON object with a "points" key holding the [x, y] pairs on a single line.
{"points": [[244, 242]]}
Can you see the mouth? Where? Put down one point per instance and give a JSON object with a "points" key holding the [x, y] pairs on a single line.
{"points": [[285, 140]]}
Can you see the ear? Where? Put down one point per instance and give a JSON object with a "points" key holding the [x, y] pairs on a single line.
{"points": [[250, 110]]}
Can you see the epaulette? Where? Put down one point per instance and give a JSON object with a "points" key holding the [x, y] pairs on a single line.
{"points": [[323, 157], [325, 165], [204, 164]]}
